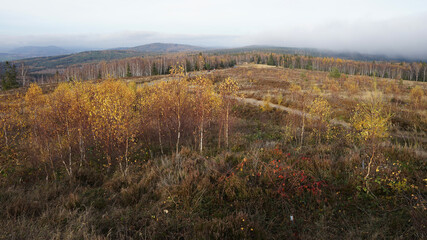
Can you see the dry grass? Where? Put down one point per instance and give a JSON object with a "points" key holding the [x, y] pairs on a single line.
{"points": [[251, 189]]}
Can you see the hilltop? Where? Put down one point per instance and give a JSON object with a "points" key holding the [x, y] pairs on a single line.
{"points": [[165, 48]]}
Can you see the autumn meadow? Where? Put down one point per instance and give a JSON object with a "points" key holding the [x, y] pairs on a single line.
{"points": [[207, 146]]}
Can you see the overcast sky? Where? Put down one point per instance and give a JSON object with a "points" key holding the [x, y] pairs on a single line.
{"points": [[368, 26]]}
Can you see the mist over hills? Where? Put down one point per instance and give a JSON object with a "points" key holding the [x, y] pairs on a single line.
{"points": [[33, 51], [164, 48], [316, 52], [40, 51], [50, 53], [38, 64], [51, 58]]}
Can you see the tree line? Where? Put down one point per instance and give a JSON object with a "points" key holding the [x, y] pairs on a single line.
{"points": [[129, 67], [415, 71], [13, 76]]}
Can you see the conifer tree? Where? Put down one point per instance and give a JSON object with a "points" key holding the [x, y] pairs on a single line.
{"points": [[154, 70], [271, 61], [128, 71], [9, 80]]}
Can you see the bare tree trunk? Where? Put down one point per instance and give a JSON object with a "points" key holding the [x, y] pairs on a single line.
{"points": [[302, 129], [160, 135], [47, 172], [201, 136], [82, 148], [5, 135], [24, 71], [424, 79], [227, 124], [369, 169], [179, 135], [219, 135], [69, 151], [126, 155]]}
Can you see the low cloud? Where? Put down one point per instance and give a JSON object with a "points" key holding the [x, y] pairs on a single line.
{"points": [[403, 36], [114, 40]]}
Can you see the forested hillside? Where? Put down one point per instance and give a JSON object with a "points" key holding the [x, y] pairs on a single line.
{"points": [[126, 63]]}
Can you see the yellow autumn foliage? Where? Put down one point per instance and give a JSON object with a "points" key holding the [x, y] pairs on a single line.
{"points": [[371, 118], [320, 110], [111, 115], [416, 95]]}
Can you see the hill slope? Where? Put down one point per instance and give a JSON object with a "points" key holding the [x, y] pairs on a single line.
{"points": [[62, 61], [51, 64], [39, 51], [55, 62], [166, 48], [312, 52]]}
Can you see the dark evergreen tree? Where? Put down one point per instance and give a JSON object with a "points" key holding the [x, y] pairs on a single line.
{"points": [[196, 66], [9, 80], [270, 60], [335, 73], [128, 72], [221, 65], [188, 65], [57, 76], [424, 71], [207, 66], [154, 70], [309, 65], [298, 62]]}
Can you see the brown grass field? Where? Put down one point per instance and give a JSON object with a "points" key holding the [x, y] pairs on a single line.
{"points": [[310, 156]]}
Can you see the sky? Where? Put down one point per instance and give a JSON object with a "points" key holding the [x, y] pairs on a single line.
{"points": [[392, 27]]}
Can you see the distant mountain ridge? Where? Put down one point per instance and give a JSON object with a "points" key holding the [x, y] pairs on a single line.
{"points": [[33, 51], [165, 48], [50, 64], [61, 61], [40, 51], [80, 56], [162, 48]]}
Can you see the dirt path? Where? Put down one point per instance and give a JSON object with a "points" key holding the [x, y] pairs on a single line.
{"points": [[252, 101], [256, 102]]}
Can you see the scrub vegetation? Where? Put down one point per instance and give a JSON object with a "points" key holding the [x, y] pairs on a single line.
{"points": [[247, 152]]}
